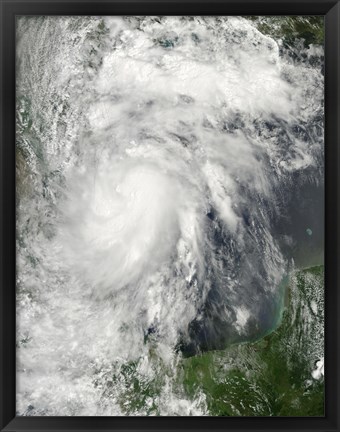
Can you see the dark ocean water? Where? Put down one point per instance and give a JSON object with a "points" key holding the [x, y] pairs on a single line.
{"points": [[170, 176]]}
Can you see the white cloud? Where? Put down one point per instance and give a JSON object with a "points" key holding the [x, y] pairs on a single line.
{"points": [[140, 144], [242, 316], [319, 370]]}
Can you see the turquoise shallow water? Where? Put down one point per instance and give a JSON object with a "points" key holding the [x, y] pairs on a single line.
{"points": [[274, 376], [155, 188]]}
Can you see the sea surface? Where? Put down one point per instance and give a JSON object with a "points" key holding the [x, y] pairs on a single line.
{"points": [[169, 179]]}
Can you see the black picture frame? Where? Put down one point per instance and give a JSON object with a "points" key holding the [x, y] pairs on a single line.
{"points": [[9, 10]]}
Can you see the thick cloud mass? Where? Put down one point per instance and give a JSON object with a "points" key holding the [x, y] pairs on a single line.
{"points": [[174, 167]]}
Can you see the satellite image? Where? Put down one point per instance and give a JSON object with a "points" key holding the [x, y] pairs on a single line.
{"points": [[170, 216]]}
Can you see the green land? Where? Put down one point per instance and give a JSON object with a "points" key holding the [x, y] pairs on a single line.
{"points": [[270, 377], [289, 29]]}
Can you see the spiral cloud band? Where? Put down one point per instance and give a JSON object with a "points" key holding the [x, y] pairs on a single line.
{"points": [[169, 160]]}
